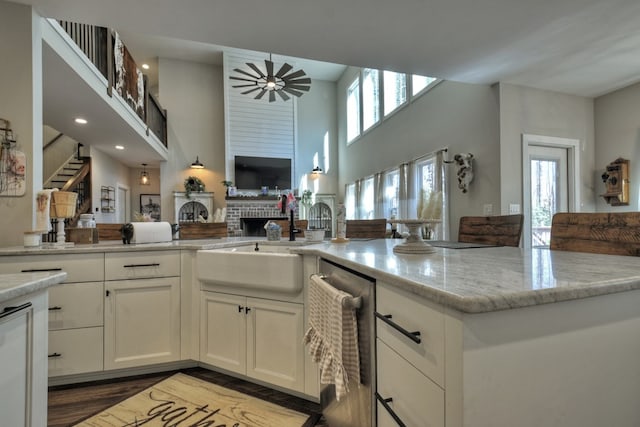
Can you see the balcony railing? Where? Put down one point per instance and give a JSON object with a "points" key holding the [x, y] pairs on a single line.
{"points": [[110, 56]]}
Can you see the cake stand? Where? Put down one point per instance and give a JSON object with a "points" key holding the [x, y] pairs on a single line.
{"points": [[414, 244]]}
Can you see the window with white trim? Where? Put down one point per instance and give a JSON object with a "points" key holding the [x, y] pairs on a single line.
{"points": [[420, 83], [395, 91], [370, 98], [353, 110], [350, 201]]}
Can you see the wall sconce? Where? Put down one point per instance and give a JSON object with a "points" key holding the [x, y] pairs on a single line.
{"points": [[197, 164], [316, 172], [144, 175]]}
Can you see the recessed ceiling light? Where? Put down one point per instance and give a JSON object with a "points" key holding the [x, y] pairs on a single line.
{"points": [[119, 147], [145, 66], [80, 121]]}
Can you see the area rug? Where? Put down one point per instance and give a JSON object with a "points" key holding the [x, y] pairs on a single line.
{"points": [[185, 401]]}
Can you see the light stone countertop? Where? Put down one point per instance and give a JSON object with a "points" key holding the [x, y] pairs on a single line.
{"points": [[487, 279], [20, 284]]}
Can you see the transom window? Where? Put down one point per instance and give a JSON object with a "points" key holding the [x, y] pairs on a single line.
{"points": [[353, 110]]}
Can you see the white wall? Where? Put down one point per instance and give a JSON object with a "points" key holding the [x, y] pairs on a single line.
{"points": [[462, 117], [538, 112], [21, 103], [105, 171], [618, 135], [317, 120], [192, 93]]}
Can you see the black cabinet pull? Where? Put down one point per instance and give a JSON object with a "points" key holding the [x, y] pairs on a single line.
{"points": [[385, 403], [55, 308], [240, 308], [40, 270], [8, 311], [413, 336], [107, 293], [55, 355], [247, 310], [155, 264]]}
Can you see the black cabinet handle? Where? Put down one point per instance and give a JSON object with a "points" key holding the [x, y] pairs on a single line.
{"points": [[8, 311], [247, 310], [55, 308], [55, 355], [40, 270], [240, 308], [385, 403], [413, 336], [155, 264], [107, 293]]}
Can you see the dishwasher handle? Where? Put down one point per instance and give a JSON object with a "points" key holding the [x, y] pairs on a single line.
{"points": [[8, 311]]}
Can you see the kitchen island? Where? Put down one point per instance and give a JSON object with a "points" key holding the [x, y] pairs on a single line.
{"points": [[508, 337], [23, 347]]}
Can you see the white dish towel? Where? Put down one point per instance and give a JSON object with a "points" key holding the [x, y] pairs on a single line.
{"points": [[333, 335]]}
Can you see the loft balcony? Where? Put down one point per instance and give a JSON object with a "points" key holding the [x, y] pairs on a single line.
{"points": [[83, 77]]}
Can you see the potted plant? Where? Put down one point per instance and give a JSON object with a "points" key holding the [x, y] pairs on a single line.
{"points": [[227, 184], [193, 183]]}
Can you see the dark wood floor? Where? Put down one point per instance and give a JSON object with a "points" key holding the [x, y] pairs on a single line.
{"points": [[69, 405]]}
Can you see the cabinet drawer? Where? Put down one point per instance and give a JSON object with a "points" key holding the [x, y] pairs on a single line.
{"points": [[76, 305], [416, 400], [75, 351], [141, 265], [413, 313], [79, 267]]}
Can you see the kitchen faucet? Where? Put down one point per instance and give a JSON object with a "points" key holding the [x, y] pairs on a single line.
{"points": [[292, 228]]}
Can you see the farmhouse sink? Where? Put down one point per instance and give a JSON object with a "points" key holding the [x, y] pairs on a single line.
{"points": [[271, 268]]}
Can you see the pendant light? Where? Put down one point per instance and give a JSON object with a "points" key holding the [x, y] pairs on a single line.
{"points": [[144, 175]]}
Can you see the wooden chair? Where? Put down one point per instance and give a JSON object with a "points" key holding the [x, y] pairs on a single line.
{"points": [[300, 224], [205, 230], [366, 228], [502, 230], [602, 233]]}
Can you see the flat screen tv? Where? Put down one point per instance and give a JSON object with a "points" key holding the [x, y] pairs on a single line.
{"points": [[257, 172]]}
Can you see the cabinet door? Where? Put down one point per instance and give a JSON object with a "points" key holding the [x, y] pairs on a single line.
{"points": [[223, 331], [275, 352], [141, 322], [416, 400], [76, 305], [75, 351]]}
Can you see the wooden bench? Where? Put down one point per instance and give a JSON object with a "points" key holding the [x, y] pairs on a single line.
{"points": [[204, 230], [366, 228], [612, 233], [502, 230]]}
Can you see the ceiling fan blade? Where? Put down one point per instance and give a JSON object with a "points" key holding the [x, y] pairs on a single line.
{"points": [[298, 81], [238, 86], [246, 73], [295, 74], [292, 91], [299, 87], [282, 94], [242, 79], [256, 69], [261, 94], [251, 90], [269, 65], [272, 95], [283, 70]]}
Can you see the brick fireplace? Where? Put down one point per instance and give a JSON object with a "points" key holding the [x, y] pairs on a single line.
{"points": [[247, 215]]}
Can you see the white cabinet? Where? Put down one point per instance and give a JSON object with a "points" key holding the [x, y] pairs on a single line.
{"points": [[257, 337], [75, 309], [142, 308], [23, 351], [410, 360], [75, 328], [141, 322]]}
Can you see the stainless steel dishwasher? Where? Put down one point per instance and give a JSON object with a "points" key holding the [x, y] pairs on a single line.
{"points": [[357, 408]]}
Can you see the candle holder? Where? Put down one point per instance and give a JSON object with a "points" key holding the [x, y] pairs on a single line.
{"points": [[414, 243]]}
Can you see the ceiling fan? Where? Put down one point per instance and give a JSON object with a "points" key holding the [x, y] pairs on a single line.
{"points": [[282, 82]]}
